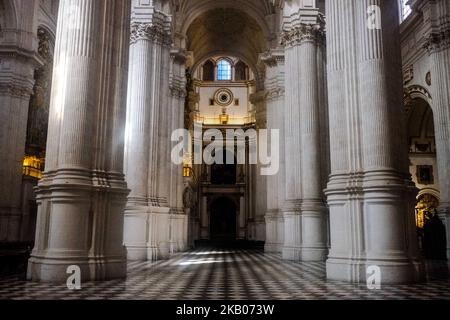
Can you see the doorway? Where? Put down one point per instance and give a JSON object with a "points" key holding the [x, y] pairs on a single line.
{"points": [[223, 218]]}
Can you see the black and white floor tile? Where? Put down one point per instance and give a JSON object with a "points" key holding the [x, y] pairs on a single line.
{"points": [[222, 275]]}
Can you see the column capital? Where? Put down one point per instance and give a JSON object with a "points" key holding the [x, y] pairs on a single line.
{"points": [[151, 32], [302, 33], [437, 41]]}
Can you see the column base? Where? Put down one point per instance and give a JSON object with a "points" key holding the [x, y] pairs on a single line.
{"points": [[314, 254], [392, 272], [291, 253], [55, 269], [270, 247]]}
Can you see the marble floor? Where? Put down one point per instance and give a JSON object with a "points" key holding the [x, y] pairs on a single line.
{"points": [[221, 274]]}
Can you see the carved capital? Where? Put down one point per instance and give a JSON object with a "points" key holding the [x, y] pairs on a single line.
{"points": [[437, 41], [149, 32], [15, 90], [303, 33]]}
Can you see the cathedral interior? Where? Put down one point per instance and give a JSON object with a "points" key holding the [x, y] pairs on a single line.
{"points": [[356, 91]]}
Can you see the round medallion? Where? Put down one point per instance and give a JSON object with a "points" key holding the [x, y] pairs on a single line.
{"points": [[223, 97]]}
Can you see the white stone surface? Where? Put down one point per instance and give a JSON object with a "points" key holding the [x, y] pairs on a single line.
{"points": [[370, 193], [82, 196]]}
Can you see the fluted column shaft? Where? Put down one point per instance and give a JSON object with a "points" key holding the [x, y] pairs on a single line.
{"points": [[314, 232], [176, 121], [370, 193], [147, 155], [18, 62], [82, 195], [14, 102], [139, 117], [439, 50], [306, 232], [291, 208], [274, 61]]}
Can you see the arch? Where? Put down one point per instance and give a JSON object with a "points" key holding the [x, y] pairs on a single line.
{"points": [[417, 91], [208, 70], [240, 71], [49, 31], [431, 191], [228, 32], [213, 54], [200, 7]]}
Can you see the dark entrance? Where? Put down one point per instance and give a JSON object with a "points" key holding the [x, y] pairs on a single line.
{"points": [[223, 220]]}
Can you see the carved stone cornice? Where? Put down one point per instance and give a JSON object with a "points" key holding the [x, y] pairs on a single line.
{"points": [[303, 33], [149, 32], [437, 41]]}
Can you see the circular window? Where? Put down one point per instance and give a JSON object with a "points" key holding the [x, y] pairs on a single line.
{"points": [[224, 97]]}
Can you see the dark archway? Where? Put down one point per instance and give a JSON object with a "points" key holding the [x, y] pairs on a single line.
{"points": [[223, 220]]}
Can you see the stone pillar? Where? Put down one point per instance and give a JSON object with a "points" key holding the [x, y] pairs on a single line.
{"points": [[146, 134], [274, 61], [305, 217], [18, 59], [257, 183], [176, 121], [370, 193], [83, 193], [438, 46]]}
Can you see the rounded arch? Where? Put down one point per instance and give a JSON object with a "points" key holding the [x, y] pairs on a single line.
{"points": [[201, 7], [49, 30], [211, 55], [416, 91], [431, 191]]}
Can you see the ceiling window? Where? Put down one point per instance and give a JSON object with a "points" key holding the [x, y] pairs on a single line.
{"points": [[224, 70]]}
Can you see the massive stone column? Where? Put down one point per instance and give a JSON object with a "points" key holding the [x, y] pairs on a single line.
{"points": [[370, 193], [274, 61], [305, 210], [18, 59], [176, 116], [83, 193], [147, 165], [438, 46]]}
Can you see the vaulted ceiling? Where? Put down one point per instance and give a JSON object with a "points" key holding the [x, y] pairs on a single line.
{"points": [[226, 31]]}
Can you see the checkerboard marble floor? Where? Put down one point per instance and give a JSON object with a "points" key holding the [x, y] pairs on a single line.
{"points": [[223, 275]]}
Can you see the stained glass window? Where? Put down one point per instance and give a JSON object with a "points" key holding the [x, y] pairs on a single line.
{"points": [[223, 70]]}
